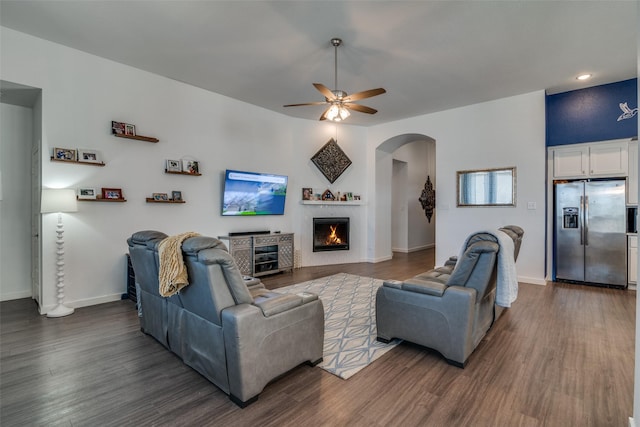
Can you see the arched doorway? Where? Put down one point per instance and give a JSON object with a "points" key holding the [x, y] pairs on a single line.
{"points": [[402, 164]]}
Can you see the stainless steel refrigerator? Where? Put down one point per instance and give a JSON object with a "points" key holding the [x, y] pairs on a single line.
{"points": [[590, 233]]}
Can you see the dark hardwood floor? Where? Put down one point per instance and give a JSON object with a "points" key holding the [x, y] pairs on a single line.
{"points": [[563, 355]]}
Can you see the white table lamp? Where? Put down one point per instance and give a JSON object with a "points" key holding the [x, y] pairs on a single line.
{"points": [[59, 200]]}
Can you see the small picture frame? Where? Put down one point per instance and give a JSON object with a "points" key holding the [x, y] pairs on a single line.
{"points": [[112, 193], [307, 193], [87, 193], [65, 154], [129, 129], [174, 166], [356, 197], [161, 197], [349, 196], [176, 196], [89, 156], [190, 166], [117, 128]]}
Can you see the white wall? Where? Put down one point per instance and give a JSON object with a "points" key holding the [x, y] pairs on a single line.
{"points": [[83, 93], [16, 124], [505, 132], [399, 214], [419, 157]]}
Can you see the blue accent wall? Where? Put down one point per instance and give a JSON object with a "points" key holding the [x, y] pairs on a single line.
{"points": [[592, 114]]}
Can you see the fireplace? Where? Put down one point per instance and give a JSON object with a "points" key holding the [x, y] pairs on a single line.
{"points": [[330, 234]]}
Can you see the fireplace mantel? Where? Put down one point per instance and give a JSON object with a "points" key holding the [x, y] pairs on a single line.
{"points": [[326, 202]]}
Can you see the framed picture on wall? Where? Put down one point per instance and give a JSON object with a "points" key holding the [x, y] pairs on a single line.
{"points": [[117, 128], [89, 156], [176, 196], [87, 193], [307, 193], [190, 166], [68, 154], [174, 166], [112, 193], [129, 129]]}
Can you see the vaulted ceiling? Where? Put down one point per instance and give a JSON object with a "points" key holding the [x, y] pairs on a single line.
{"points": [[429, 55]]}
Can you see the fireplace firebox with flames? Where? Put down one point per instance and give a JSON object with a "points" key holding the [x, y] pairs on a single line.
{"points": [[330, 234]]}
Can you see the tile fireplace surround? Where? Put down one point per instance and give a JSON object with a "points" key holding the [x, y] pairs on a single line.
{"points": [[357, 236]]}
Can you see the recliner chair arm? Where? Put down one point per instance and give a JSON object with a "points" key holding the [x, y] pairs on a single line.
{"points": [[272, 303], [424, 287]]}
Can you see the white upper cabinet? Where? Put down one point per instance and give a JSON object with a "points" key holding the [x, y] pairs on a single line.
{"points": [[598, 159], [570, 162]]}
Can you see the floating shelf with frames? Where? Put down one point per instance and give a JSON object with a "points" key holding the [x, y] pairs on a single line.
{"points": [[78, 162], [182, 173], [152, 200], [102, 200], [137, 137]]}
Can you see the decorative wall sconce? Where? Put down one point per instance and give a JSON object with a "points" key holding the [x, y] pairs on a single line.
{"points": [[428, 198]]}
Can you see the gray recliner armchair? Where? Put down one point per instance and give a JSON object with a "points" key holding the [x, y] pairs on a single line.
{"points": [[239, 337], [450, 308]]}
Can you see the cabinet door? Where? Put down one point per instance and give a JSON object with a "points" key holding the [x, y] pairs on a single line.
{"points": [[285, 249], [632, 182], [609, 159], [571, 162], [632, 259]]}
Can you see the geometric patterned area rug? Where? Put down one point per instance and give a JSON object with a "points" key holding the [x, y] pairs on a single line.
{"points": [[350, 321]]}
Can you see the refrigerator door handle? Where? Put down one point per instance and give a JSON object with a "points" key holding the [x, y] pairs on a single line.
{"points": [[586, 221], [581, 220]]}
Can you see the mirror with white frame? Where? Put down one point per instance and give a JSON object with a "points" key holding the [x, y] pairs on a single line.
{"points": [[487, 187]]}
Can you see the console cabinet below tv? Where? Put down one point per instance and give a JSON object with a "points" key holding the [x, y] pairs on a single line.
{"points": [[261, 254]]}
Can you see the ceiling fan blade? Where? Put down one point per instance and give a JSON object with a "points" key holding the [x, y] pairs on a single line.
{"points": [[307, 103], [324, 114], [325, 91], [364, 94], [361, 108]]}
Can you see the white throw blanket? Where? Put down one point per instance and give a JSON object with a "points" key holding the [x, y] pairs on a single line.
{"points": [[507, 277]]}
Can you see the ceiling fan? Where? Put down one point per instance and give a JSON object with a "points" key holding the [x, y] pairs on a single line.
{"points": [[338, 100]]}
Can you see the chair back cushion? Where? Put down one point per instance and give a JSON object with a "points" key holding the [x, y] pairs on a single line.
{"points": [[476, 268], [215, 282], [143, 248]]}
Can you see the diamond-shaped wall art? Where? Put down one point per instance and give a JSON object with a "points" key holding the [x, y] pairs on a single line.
{"points": [[331, 160]]}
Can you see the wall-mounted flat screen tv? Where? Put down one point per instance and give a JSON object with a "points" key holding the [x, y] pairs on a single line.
{"points": [[250, 193]]}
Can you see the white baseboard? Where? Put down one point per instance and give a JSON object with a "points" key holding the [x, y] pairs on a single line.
{"points": [[85, 302], [415, 249], [532, 280], [15, 295], [631, 422], [375, 260]]}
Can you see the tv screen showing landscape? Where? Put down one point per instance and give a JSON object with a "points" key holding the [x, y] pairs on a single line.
{"points": [[250, 193]]}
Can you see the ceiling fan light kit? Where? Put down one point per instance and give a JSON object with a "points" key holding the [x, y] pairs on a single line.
{"points": [[337, 113], [338, 100]]}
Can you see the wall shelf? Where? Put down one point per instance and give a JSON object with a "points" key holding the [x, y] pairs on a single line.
{"points": [[102, 200], [336, 203], [182, 173], [152, 200], [78, 162], [138, 137]]}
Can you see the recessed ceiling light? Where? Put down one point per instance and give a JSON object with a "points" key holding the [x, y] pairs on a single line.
{"points": [[584, 77]]}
